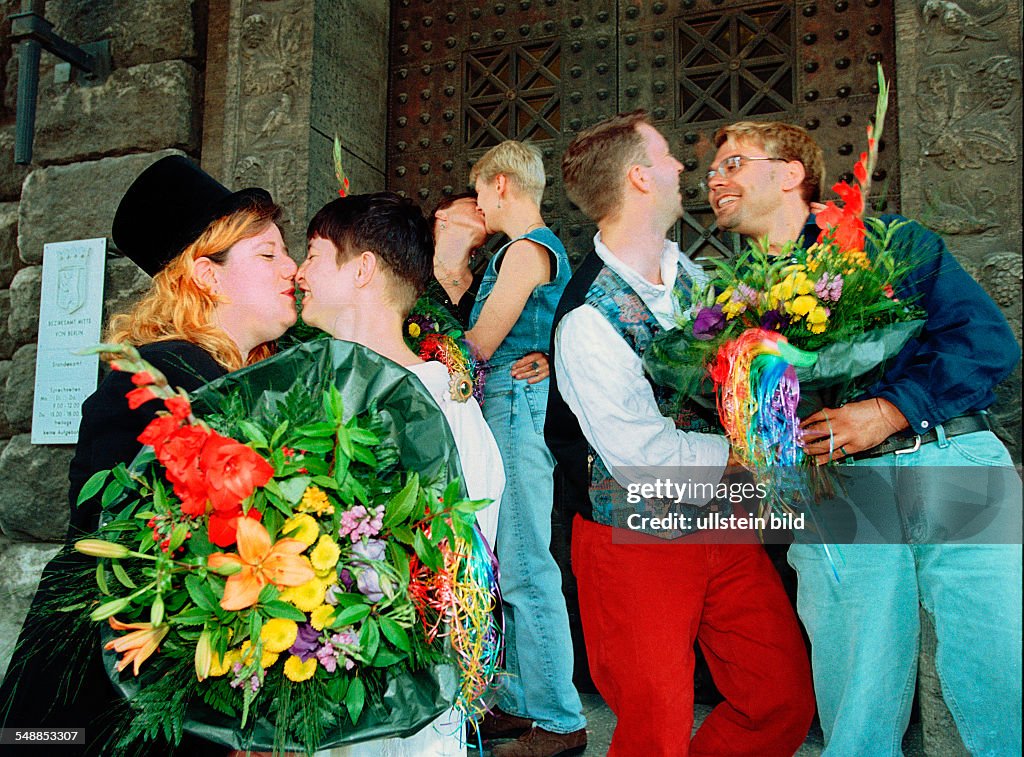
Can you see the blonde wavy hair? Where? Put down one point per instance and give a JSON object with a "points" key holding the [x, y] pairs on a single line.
{"points": [[178, 307]]}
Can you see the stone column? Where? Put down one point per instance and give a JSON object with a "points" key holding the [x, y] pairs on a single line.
{"points": [[959, 72], [283, 78]]}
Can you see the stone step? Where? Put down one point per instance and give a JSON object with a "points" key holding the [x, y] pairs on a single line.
{"points": [[601, 724]]}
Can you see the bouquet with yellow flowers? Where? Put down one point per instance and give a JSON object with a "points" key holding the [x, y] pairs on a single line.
{"points": [[781, 333], [299, 568]]}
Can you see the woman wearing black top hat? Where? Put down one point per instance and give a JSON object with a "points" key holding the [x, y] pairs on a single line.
{"points": [[222, 291]]}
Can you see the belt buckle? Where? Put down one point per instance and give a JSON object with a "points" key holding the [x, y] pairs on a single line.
{"points": [[915, 448]]}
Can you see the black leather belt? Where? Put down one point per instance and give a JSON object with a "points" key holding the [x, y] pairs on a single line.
{"points": [[903, 444]]}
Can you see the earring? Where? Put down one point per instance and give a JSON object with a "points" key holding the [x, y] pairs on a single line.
{"points": [[443, 226], [499, 202]]}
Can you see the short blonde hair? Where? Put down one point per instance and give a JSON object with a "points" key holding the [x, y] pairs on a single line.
{"points": [[596, 162], [519, 162], [784, 141]]}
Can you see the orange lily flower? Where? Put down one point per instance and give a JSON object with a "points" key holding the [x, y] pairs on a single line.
{"points": [[138, 645], [261, 563]]}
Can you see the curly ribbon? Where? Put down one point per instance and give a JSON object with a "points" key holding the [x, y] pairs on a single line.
{"points": [[467, 374], [462, 602], [757, 394]]}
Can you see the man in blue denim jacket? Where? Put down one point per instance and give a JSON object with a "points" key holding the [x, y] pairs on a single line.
{"points": [[925, 417]]}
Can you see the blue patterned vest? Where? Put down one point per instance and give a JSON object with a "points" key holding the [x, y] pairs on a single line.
{"points": [[624, 309]]}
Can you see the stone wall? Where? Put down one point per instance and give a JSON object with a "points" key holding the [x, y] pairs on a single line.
{"points": [[283, 79], [959, 69], [90, 143], [254, 90]]}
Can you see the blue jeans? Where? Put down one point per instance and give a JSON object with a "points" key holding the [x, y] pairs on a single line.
{"points": [[865, 627], [538, 647]]}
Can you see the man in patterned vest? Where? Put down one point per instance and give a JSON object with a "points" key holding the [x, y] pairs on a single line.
{"points": [[644, 600]]}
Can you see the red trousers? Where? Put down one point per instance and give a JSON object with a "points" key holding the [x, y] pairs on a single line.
{"points": [[642, 607]]}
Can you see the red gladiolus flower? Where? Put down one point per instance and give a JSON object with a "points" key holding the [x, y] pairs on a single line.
{"points": [[180, 453], [860, 168], [159, 430], [843, 225], [180, 456], [852, 197], [143, 378], [179, 406], [233, 471], [140, 396], [223, 526]]}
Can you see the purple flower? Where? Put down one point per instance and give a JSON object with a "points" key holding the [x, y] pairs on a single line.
{"points": [[346, 578], [306, 642], [359, 522], [745, 294], [328, 658], [829, 291], [368, 581], [331, 597], [348, 640], [773, 320], [345, 638], [708, 323]]}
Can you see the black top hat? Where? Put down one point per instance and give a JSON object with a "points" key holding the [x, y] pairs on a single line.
{"points": [[169, 206]]}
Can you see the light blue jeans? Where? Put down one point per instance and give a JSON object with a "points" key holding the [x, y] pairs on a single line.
{"points": [[865, 627], [538, 647]]}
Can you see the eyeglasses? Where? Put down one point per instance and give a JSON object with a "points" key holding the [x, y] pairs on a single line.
{"points": [[728, 167]]}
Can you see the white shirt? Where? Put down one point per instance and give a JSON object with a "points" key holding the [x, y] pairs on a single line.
{"points": [[482, 466], [602, 381]]}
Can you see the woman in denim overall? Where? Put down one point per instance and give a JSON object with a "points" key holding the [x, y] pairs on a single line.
{"points": [[512, 316]]}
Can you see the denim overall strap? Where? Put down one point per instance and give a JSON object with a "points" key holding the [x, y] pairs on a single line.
{"points": [[532, 330]]}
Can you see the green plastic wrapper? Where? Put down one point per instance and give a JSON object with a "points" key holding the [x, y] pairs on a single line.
{"points": [[838, 372], [844, 369], [425, 444], [410, 702], [413, 419]]}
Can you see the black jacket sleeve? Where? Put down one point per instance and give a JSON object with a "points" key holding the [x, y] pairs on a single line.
{"points": [[109, 430]]}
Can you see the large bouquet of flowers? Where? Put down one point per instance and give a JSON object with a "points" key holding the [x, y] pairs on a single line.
{"points": [[779, 334], [300, 568]]}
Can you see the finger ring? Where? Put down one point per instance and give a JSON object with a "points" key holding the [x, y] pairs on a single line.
{"points": [[536, 365], [843, 450], [536, 372]]}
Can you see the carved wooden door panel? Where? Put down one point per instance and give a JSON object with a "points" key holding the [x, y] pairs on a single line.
{"points": [[466, 75]]}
